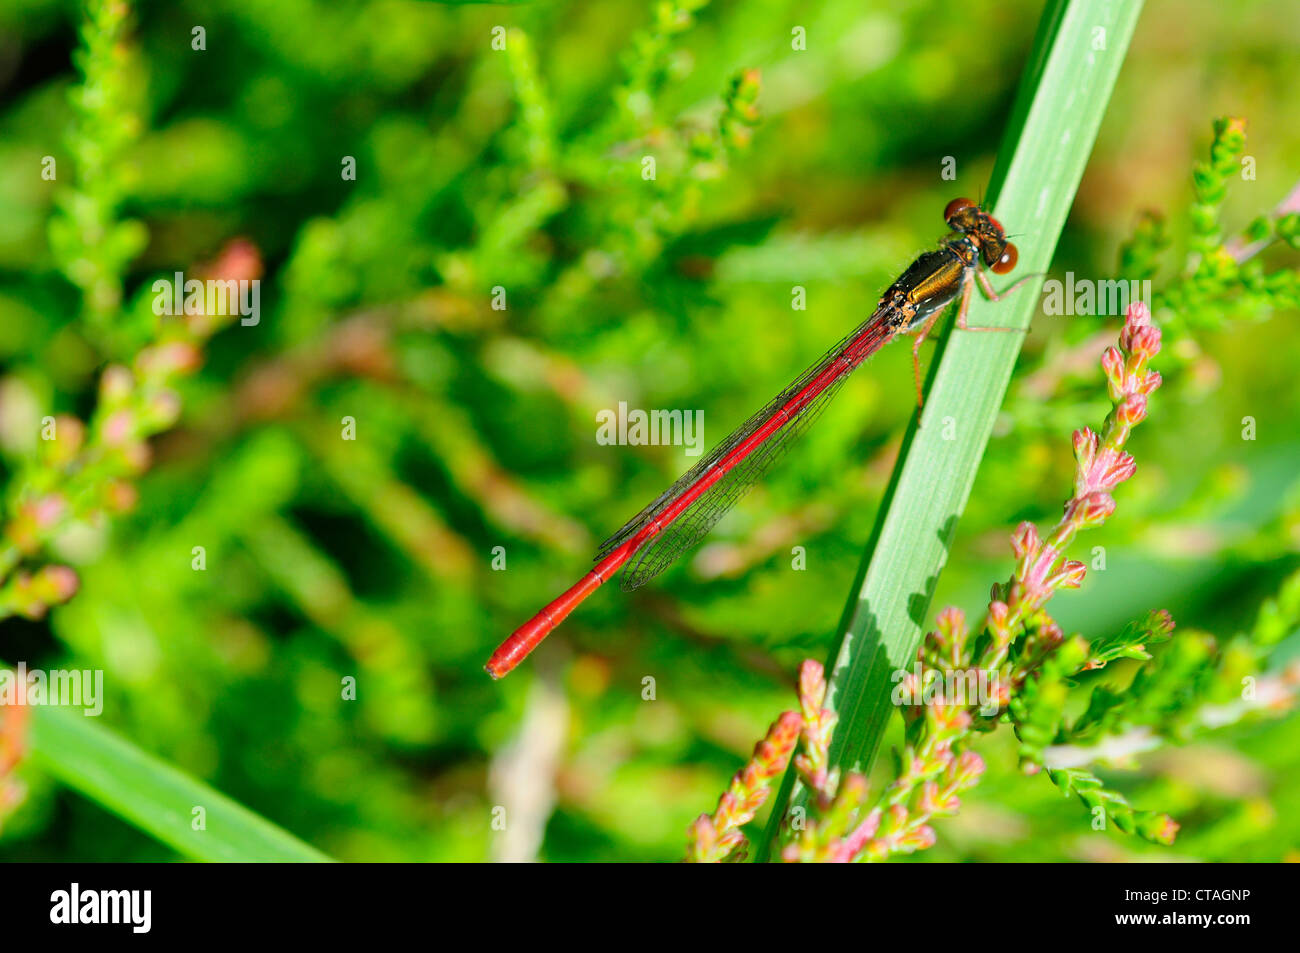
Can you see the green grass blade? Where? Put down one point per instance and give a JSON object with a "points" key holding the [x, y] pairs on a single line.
{"points": [[1076, 57], [154, 796]]}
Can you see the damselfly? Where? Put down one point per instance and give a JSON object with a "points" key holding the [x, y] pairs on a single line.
{"points": [[655, 538]]}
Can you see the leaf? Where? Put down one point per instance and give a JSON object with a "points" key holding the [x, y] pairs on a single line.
{"points": [[1132, 640], [153, 796]]}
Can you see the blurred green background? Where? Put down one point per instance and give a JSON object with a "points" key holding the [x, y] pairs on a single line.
{"points": [[520, 168]]}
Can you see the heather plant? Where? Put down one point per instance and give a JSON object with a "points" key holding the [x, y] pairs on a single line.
{"points": [[1020, 651], [1033, 669]]}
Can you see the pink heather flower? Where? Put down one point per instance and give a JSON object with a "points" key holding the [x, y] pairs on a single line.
{"points": [[1162, 624], [1069, 575], [951, 623], [856, 842], [998, 614], [163, 408], [1025, 541], [1111, 468], [1085, 448], [56, 584], [48, 510], [934, 800], [1092, 509], [120, 496], [713, 838], [172, 358], [1132, 410], [1112, 363], [1003, 695], [920, 839], [240, 260], [951, 717], [967, 769], [1050, 632], [1162, 828], [1139, 312], [942, 758], [1143, 342], [812, 688], [116, 384], [703, 837], [118, 427], [70, 435], [949, 637]]}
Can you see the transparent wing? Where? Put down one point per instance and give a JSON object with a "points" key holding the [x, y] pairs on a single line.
{"points": [[691, 524]]}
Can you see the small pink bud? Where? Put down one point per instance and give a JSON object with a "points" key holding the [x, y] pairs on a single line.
{"points": [[116, 384], [1085, 447], [1068, 575], [856, 840], [69, 436], [929, 801], [703, 834], [1025, 540], [1112, 363], [119, 427], [48, 510], [968, 768], [920, 839], [137, 456], [1112, 468], [951, 623], [1132, 410], [120, 496], [56, 584], [1143, 343], [812, 688], [1138, 314], [1167, 830], [163, 409], [1095, 508]]}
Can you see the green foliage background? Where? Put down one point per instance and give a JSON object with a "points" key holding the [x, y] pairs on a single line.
{"points": [[520, 168]]}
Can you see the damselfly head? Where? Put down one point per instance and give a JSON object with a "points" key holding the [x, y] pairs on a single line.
{"points": [[963, 215]]}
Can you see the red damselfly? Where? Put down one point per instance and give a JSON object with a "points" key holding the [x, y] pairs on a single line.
{"points": [[654, 538]]}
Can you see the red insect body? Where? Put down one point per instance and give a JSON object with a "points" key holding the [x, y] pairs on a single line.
{"points": [[658, 535]]}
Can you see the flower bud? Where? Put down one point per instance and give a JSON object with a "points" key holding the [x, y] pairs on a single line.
{"points": [[1025, 541], [1068, 575], [116, 385], [1132, 410], [1085, 447], [1112, 363]]}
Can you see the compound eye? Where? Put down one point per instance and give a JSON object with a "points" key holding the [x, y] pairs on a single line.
{"points": [[1007, 261], [955, 206]]}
